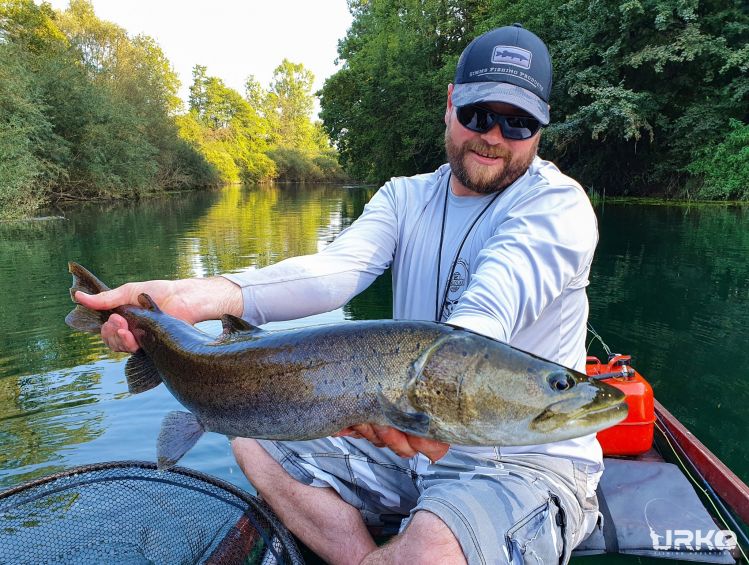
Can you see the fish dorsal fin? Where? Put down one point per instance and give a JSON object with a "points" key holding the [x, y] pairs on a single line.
{"points": [[233, 325], [147, 302]]}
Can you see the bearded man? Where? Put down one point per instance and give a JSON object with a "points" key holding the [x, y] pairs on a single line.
{"points": [[497, 241]]}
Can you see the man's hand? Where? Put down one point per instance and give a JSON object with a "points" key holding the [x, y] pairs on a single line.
{"points": [[191, 300], [405, 445]]}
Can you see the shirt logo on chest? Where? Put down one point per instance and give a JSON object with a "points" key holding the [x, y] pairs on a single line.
{"points": [[456, 285]]}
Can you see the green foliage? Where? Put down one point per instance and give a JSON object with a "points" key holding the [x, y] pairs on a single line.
{"points": [[288, 106], [86, 111], [21, 122], [227, 130], [266, 135], [640, 86], [300, 147], [327, 162], [725, 167], [382, 109], [294, 165], [300, 166], [677, 73]]}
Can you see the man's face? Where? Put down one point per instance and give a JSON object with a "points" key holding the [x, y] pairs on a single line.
{"points": [[487, 162]]}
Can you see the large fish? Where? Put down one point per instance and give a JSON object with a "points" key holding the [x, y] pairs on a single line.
{"points": [[424, 378]]}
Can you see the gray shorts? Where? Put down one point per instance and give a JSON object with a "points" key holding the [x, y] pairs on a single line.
{"points": [[522, 508]]}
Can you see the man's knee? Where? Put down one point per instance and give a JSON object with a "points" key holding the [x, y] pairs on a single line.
{"points": [[427, 540], [242, 446], [257, 464]]}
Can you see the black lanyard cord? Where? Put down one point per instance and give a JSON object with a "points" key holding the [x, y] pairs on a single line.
{"points": [[438, 310]]}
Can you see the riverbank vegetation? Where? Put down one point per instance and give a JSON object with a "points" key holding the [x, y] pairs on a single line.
{"points": [[650, 96], [267, 134], [86, 111]]}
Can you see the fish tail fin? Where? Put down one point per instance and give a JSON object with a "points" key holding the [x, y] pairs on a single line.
{"points": [[179, 432], [82, 318], [141, 373], [84, 280]]}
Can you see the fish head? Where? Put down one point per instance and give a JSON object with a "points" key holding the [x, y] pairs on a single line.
{"points": [[582, 406], [478, 391]]}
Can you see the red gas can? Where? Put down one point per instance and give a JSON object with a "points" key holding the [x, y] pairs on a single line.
{"points": [[634, 435]]}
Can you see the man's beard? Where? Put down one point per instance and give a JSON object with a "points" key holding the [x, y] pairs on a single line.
{"points": [[483, 179]]}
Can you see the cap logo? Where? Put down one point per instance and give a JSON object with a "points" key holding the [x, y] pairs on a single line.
{"points": [[512, 56]]}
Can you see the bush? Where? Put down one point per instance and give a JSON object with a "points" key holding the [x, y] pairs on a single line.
{"points": [[725, 167], [295, 165], [22, 123]]}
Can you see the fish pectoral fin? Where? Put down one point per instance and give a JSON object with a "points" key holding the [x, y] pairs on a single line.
{"points": [[409, 422], [141, 373], [233, 325], [179, 432]]}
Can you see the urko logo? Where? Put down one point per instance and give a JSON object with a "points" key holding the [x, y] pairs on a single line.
{"points": [[512, 55], [697, 540]]}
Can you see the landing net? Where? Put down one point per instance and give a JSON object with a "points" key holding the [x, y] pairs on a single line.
{"points": [[129, 512]]}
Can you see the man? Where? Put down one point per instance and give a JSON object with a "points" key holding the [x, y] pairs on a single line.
{"points": [[498, 241]]}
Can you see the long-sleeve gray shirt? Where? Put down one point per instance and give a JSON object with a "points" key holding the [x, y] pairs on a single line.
{"points": [[519, 274]]}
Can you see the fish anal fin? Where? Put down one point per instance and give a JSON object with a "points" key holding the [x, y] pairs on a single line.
{"points": [[233, 325], [141, 373], [406, 421], [180, 431]]}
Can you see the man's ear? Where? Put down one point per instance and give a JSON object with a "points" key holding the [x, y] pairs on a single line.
{"points": [[449, 105]]}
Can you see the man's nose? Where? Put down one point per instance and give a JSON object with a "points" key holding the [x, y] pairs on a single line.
{"points": [[493, 136]]}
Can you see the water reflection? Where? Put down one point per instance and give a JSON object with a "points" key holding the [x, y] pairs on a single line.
{"points": [[260, 227], [669, 285], [61, 390], [40, 414]]}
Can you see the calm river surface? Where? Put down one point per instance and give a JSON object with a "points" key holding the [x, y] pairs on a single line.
{"points": [[670, 285]]}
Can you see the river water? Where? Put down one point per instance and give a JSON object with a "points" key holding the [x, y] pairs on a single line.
{"points": [[670, 286]]}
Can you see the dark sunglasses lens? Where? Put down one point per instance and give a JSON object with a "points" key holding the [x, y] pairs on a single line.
{"points": [[475, 118], [519, 127], [482, 120]]}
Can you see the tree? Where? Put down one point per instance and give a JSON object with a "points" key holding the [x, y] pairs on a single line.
{"points": [[300, 147], [22, 123], [256, 95], [641, 86], [227, 129], [87, 110], [382, 109], [723, 169], [289, 106]]}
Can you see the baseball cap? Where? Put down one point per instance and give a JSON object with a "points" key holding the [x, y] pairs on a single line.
{"points": [[507, 64]]}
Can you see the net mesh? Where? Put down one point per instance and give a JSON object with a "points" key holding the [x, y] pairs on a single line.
{"points": [[129, 512]]}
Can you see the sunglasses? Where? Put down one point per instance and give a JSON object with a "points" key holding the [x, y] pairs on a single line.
{"points": [[481, 120]]}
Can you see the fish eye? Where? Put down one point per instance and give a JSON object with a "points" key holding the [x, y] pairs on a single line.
{"points": [[561, 381]]}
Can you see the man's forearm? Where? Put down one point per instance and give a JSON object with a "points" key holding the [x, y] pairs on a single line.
{"points": [[212, 297]]}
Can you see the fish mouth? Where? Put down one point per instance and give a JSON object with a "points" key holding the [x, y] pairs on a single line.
{"points": [[586, 419]]}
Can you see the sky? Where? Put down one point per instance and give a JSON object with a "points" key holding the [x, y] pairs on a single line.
{"points": [[235, 38]]}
